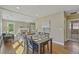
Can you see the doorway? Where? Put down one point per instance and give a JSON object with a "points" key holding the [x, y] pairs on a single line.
{"points": [[73, 30]]}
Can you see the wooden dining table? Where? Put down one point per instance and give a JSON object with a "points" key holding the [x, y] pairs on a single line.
{"points": [[41, 42]]}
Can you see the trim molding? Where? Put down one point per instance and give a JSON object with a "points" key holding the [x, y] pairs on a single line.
{"points": [[58, 42]]}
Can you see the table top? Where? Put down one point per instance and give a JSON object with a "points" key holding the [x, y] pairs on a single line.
{"points": [[41, 40]]}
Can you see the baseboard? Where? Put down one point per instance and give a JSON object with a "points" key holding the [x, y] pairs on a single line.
{"points": [[58, 42]]}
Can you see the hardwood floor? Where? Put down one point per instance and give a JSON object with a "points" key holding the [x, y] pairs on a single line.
{"points": [[59, 49], [70, 47], [12, 48]]}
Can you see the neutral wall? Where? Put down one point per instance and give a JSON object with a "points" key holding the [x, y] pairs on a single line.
{"points": [[57, 27], [0, 23], [41, 22], [56, 22]]}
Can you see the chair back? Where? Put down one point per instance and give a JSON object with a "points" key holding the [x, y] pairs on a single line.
{"points": [[29, 41]]}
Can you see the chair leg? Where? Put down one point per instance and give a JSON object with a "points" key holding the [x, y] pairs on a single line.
{"points": [[33, 51]]}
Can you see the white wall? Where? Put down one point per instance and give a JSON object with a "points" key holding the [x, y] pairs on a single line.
{"points": [[57, 27], [0, 22], [42, 22], [56, 22]]}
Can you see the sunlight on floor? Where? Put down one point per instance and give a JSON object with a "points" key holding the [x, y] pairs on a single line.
{"points": [[18, 47]]}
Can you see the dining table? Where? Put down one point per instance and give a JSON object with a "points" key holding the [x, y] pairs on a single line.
{"points": [[41, 42]]}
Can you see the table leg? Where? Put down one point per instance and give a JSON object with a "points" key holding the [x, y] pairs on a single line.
{"points": [[33, 51], [51, 46], [48, 47], [43, 49]]}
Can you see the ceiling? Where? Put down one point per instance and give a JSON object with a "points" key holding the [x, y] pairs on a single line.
{"points": [[39, 10]]}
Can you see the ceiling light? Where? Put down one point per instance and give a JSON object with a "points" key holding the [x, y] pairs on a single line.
{"points": [[37, 15], [17, 7]]}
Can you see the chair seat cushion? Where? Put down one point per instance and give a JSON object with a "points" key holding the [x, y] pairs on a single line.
{"points": [[35, 46]]}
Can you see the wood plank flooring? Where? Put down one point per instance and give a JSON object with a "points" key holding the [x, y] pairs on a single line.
{"points": [[59, 49], [70, 47]]}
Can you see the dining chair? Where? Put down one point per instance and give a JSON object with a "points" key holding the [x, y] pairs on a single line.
{"points": [[31, 45]]}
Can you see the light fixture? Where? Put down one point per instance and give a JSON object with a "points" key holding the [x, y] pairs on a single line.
{"points": [[17, 7], [37, 15]]}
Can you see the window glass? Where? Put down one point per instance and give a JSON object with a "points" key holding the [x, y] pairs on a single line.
{"points": [[10, 28], [76, 25]]}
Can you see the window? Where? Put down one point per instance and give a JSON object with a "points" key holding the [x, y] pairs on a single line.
{"points": [[10, 27], [76, 25]]}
